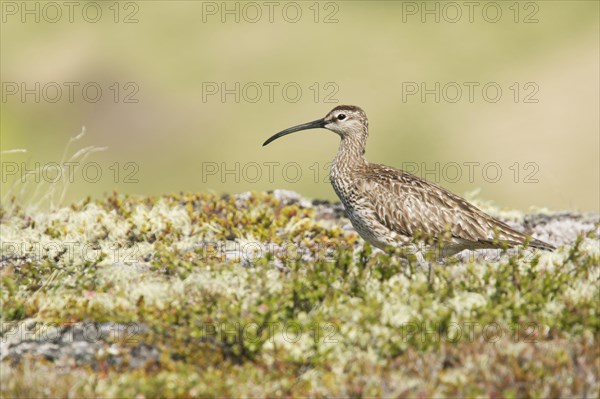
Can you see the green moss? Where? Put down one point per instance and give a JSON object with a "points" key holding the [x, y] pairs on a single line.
{"points": [[249, 296]]}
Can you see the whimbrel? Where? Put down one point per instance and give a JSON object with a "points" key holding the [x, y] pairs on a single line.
{"points": [[391, 208]]}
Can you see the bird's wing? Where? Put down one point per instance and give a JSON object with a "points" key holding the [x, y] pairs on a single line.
{"points": [[412, 206]]}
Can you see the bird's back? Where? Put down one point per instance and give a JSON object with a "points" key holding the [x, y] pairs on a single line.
{"points": [[408, 206]]}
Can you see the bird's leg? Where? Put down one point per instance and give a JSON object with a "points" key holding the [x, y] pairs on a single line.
{"points": [[429, 269], [407, 257]]}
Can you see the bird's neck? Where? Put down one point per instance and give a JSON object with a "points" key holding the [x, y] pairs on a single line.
{"points": [[351, 153]]}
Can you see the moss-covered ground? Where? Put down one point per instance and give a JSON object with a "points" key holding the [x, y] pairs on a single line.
{"points": [[264, 295]]}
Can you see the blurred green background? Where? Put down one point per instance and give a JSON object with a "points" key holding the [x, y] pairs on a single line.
{"points": [[173, 58]]}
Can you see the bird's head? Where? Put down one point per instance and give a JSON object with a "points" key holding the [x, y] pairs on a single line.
{"points": [[345, 120]]}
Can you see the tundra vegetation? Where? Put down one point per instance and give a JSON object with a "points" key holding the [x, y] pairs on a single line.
{"points": [[270, 294]]}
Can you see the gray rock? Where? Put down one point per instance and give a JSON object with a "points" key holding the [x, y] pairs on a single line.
{"points": [[78, 344]]}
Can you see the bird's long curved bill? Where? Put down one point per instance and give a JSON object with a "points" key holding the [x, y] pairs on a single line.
{"points": [[305, 126]]}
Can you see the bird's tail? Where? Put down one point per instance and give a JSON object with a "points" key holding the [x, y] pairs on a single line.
{"points": [[518, 238]]}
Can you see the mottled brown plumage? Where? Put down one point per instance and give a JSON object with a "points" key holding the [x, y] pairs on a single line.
{"points": [[392, 208]]}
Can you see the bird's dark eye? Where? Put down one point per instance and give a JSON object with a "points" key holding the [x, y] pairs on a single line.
{"points": [[341, 117]]}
